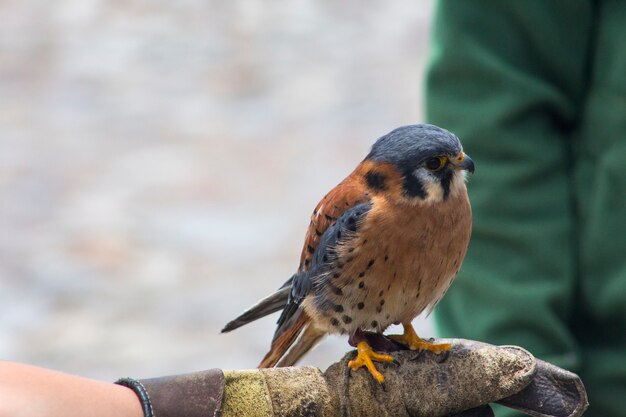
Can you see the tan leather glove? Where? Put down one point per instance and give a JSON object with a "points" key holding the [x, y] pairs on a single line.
{"points": [[460, 383]]}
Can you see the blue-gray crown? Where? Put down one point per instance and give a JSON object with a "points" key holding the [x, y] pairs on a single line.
{"points": [[409, 146]]}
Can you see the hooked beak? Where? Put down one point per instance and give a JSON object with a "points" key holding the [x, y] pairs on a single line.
{"points": [[464, 162]]}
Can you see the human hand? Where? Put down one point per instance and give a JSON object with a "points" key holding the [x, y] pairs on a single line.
{"points": [[459, 383]]}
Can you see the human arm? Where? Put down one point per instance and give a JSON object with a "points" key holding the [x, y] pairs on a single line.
{"points": [[30, 391], [506, 77]]}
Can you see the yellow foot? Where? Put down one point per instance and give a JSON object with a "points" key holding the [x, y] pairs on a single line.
{"points": [[414, 342], [365, 357]]}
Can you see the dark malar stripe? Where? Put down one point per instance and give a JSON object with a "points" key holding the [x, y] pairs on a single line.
{"points": [[446, 179]]}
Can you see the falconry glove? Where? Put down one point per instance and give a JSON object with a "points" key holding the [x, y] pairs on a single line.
{"points": [[460, 383]]}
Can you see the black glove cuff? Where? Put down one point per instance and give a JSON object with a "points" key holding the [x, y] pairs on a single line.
{"points": [[141, 393], [197, 394]]}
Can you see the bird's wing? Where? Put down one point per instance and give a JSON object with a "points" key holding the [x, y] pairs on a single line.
{"points": [[270, 304], [294, 321], [296, 334], [349, 193], [344, 198]]}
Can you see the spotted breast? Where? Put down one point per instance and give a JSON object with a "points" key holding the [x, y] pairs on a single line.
{"points": [[389, 261]]}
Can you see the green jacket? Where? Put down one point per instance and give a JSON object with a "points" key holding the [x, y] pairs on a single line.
{"points": [[536, 91]]}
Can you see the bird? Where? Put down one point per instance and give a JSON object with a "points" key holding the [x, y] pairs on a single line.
{"points": [[381, 248]]}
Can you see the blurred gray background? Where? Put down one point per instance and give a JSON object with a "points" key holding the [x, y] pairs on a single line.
{"points": [[159, 162]]}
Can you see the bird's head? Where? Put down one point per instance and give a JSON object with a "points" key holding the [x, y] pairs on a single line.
{"points": [[417, 164]]}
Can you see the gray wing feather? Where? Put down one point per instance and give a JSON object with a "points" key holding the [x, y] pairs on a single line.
{"points": [[323, 262], [270, 304]]}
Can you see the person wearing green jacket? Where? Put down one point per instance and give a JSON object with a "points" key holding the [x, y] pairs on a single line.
{"points": [[537, 92]]}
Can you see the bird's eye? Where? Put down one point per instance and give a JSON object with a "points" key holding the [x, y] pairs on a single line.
{"points": [[436, 163]]}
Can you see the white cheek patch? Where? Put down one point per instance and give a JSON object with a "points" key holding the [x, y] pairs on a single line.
{"points": [[435, 192], [458, 182], [431, 184]]}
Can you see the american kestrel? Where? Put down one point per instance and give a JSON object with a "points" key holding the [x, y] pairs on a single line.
{"points": [[382, 247]]}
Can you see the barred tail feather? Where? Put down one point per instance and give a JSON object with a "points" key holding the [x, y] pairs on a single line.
{"points": [[282, 343], [309, 338]]}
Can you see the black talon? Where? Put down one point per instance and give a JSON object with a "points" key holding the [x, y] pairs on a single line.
{"points": [[383, 385], [443, 356], [417, 355]]}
